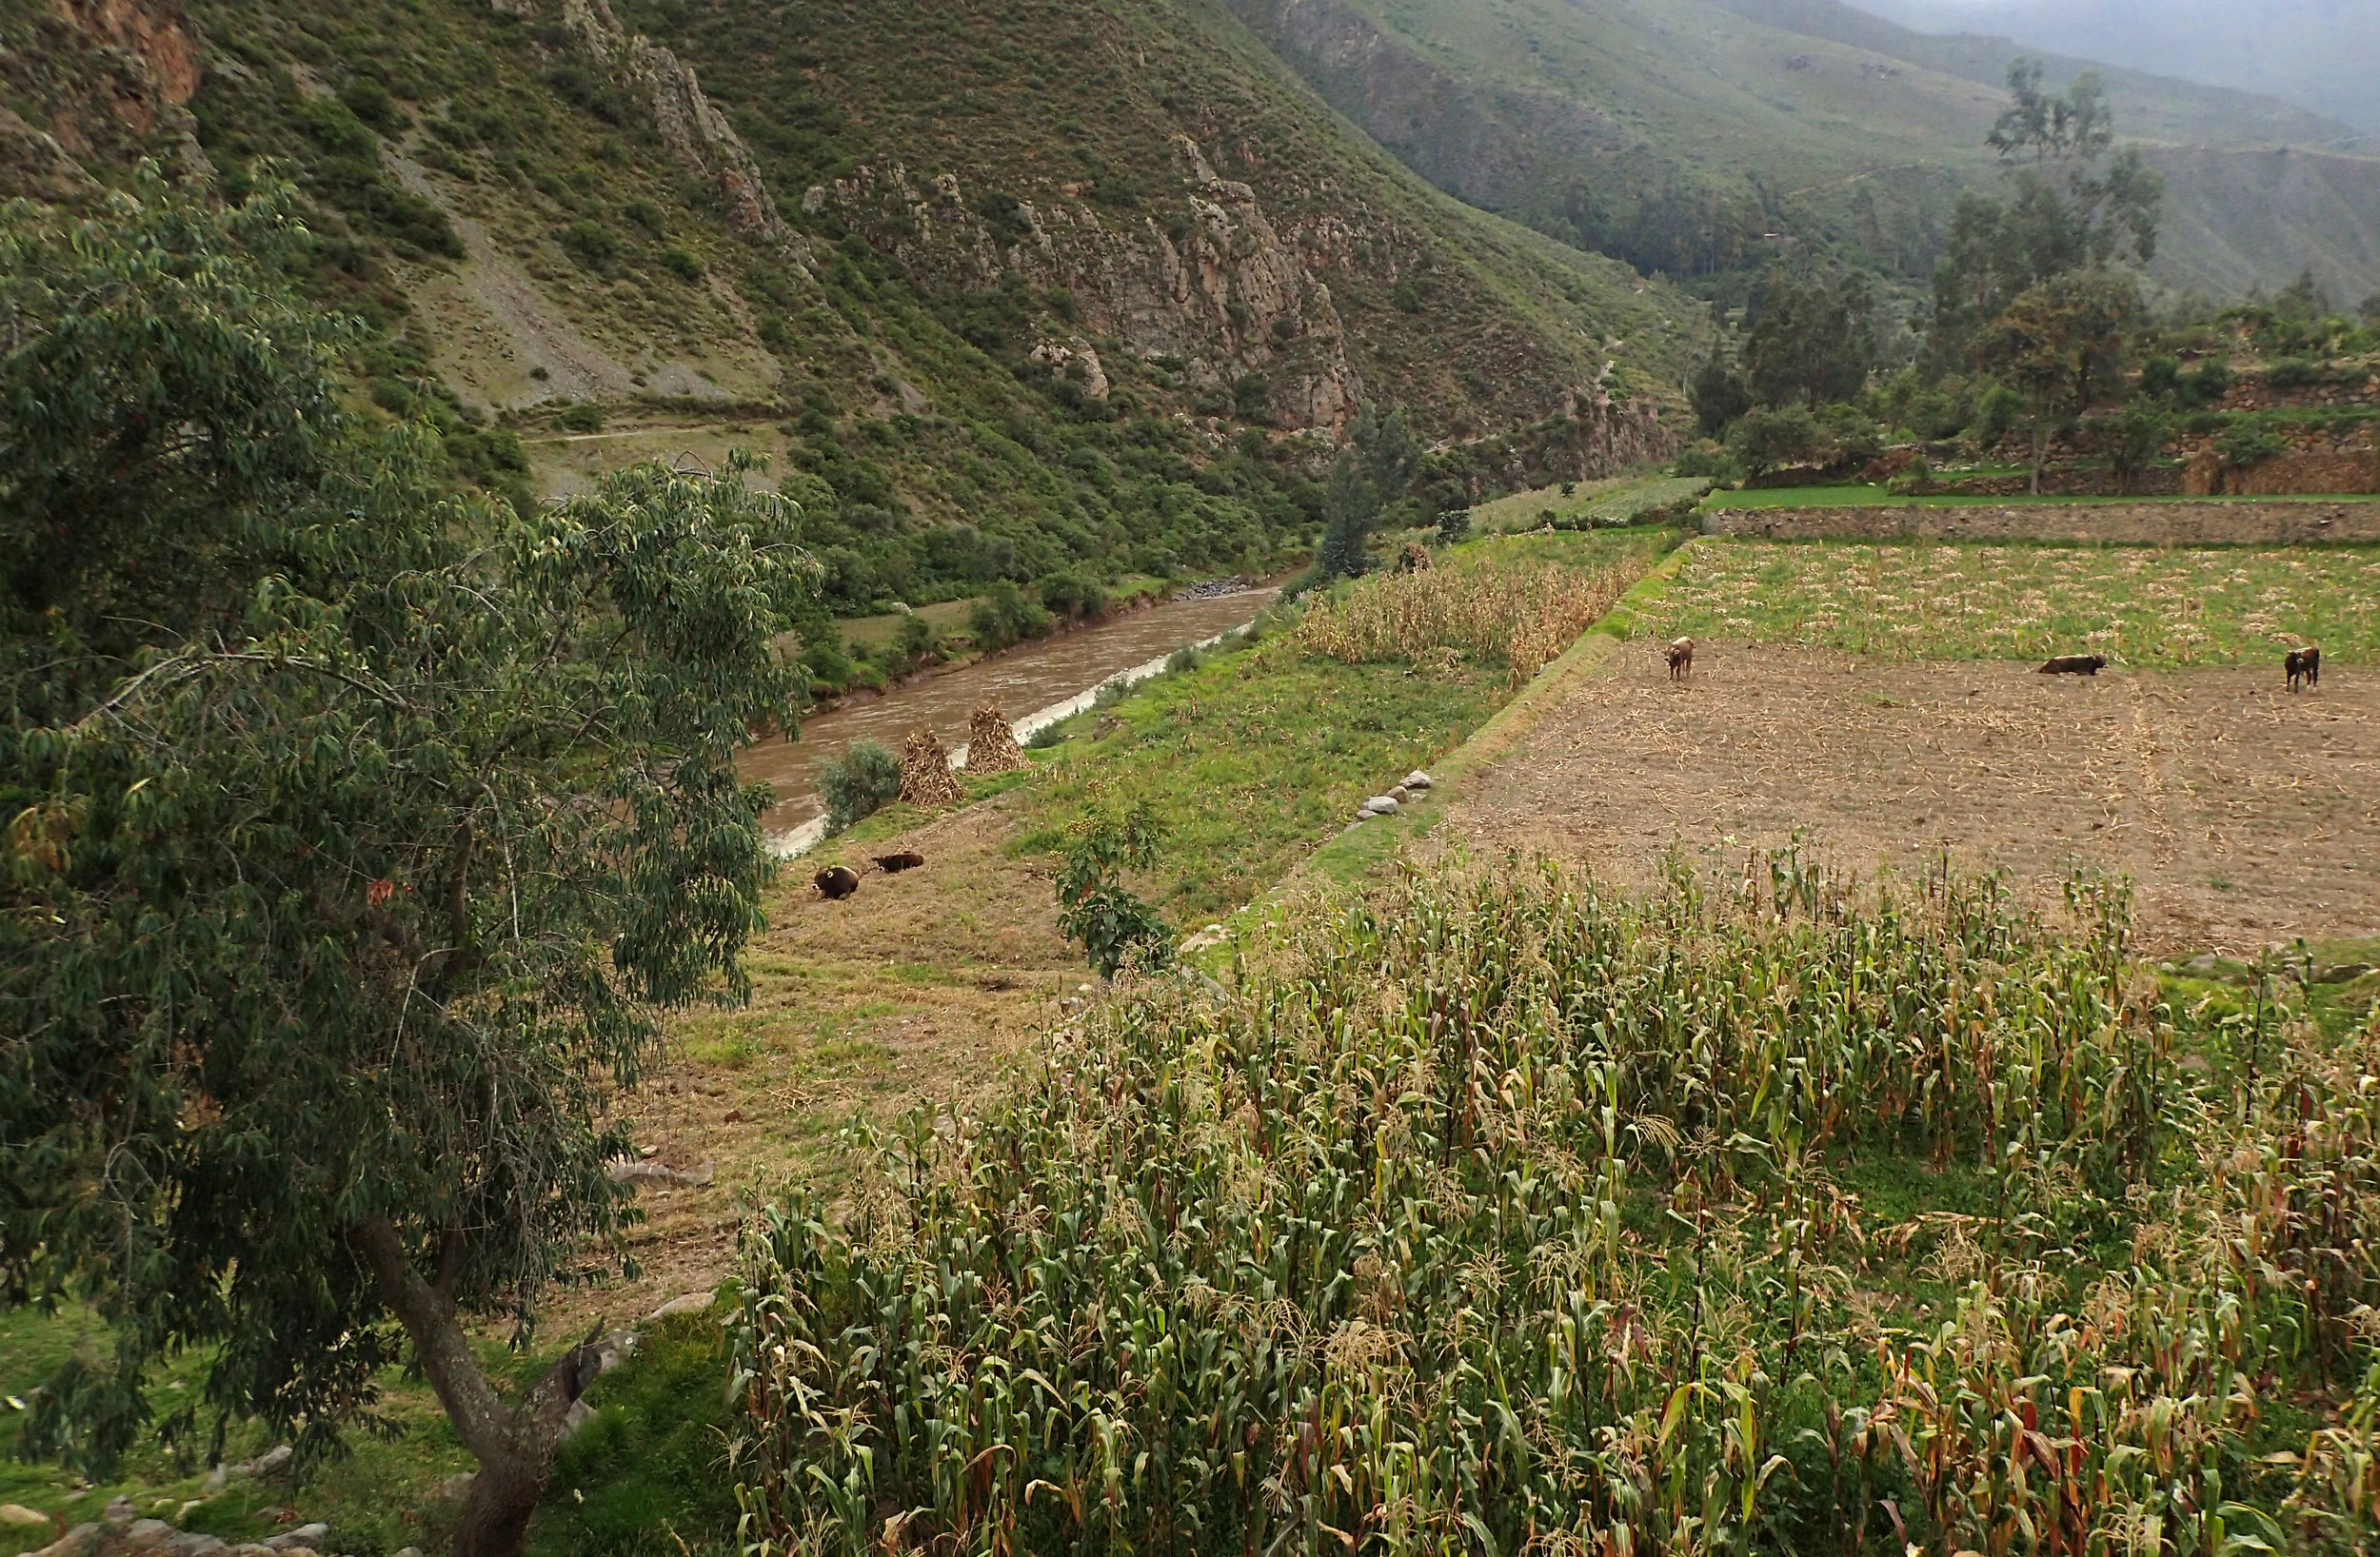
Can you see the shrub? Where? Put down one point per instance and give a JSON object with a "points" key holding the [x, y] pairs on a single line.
{"points": [[1453, 526], [1911, 479], [2291, 373], [589, 243], [1184, 660], [1708, 461], [1094, 906], [917, 640], [1071, 595], [369, 100], [1005, 615], [860, 780], [1996, 416], [1768, 440], [583, 418], [681, 263], [2205, 384]]}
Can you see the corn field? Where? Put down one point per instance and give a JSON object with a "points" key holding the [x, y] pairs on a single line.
{"points": [[1512, 1216], [1520, 614]]}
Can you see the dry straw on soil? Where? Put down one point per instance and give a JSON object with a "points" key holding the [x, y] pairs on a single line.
{"points": [[991, 745], [1522, 617], [926, 777]]}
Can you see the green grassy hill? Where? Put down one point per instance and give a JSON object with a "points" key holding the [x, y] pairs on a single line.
{"points": [[1689, 134], [1007, 288]]}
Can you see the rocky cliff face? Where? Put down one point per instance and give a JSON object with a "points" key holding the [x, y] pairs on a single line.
{"points": [[100, 82], [696, 134], [1219, 287]]}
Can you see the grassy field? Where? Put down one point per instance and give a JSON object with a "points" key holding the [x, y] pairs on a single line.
{"points": [[1620, 501], [2137, 606], [1256, 755]]}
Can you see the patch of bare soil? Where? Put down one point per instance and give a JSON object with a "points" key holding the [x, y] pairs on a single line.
{"points": [[918, 989], [2245, 814]]}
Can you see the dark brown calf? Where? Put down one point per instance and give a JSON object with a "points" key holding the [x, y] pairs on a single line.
{"points": [[2303, 665], [895, 865], [837, 882], [2075, 664]]}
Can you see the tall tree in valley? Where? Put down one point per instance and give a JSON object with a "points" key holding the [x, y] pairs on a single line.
{"points": [[1813, 342], [355, 840], [2059, 340], [1374, 470], [2070, 202]]}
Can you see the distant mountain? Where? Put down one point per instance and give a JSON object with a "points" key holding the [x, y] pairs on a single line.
{"points": [[2321, 54], [1701, 136]]}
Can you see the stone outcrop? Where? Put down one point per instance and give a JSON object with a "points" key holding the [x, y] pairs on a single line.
{"points": [[697, 135], [1211, 280], [105, 82]]}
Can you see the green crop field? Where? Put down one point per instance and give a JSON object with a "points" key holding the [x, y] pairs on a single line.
{"points": [[2138, 605]]}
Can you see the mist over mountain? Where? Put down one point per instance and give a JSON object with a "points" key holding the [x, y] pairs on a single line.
{"points": [[2321, 54]]}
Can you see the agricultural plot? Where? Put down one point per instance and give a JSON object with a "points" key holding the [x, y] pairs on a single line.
{"points": [[1881, 703], [2137, 606]]}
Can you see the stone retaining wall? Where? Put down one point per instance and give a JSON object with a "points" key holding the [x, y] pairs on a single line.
{"points": [[2163, 524]]}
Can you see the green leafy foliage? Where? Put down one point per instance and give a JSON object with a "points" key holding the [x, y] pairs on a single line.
{"points": [[1094, 905], [358, 839], [859, 782]]}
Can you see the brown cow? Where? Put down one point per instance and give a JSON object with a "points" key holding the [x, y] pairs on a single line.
{"points": [[2303, 665], [2075, 664], [1680, 656], [837, 882], [895, 865]]}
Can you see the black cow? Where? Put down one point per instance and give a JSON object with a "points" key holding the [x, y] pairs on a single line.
{"points": [[2075, 664], [895, 865], [837, 882], [2303, 665]]}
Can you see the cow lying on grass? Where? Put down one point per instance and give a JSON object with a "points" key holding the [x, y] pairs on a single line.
{"points": [[2303, 665], [895, 865], [837, 882], [2075, 664]]}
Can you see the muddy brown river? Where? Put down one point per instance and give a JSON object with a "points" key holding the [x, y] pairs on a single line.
{"points": [[1034, 685]]}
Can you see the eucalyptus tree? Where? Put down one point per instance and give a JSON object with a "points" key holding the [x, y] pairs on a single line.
{"points": [[356, 838]]}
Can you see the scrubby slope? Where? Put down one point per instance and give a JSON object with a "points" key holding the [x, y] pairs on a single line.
{"points": [[1014, 288], [1688, 134]]}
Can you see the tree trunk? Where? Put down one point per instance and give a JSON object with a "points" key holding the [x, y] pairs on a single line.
{"points": [[2036, 457], [514, 1444]]}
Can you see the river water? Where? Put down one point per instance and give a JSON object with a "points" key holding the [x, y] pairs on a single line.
{"points": [[1034, 685]]}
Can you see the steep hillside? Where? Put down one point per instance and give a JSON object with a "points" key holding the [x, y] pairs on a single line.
{"points": [[1015, 287], [1689, 134]]}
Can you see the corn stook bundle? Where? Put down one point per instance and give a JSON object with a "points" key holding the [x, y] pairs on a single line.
{"points": [[1510, 1215], [926, 777], [991, 745]]}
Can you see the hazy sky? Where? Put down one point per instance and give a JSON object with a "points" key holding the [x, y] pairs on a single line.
{"points": [[2321, 54]]}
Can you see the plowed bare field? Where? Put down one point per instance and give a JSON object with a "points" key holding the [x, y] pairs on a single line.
{"points": [[2245, 814]]}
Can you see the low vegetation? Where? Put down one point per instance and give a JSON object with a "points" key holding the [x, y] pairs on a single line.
{"points": [[1513, 1216], [1516, 614], [2139, 605]]}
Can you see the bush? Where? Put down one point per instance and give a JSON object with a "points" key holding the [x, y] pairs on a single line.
{"points": [[1070, 595], [1453, 526], [682, 265], [1708, 461], [2160, 378], [589, 243], [917, 640], [864, 780], [2290, 373], [1094, 905], [581, 419], [1047, 735], [1005, 615], [1767, 439], [2205, 384], [369, 100], [1911, 479], [1184, 660], [2001, 409]]}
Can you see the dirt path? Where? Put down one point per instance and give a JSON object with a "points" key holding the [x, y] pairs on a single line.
{"points": [[2246, 815]]}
